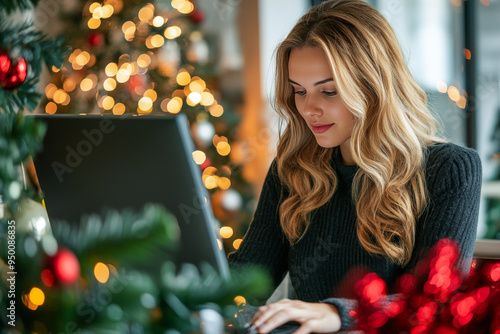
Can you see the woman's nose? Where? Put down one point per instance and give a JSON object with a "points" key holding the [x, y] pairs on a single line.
{"points": [[312, 107]]}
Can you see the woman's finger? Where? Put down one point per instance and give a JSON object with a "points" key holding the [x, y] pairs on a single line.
{"points": [[267, 311], [278, 318]]}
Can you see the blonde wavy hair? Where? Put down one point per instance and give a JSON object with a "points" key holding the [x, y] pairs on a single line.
{"points": [[392, 131]]}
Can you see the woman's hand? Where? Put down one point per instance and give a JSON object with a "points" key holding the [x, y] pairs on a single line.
{"points": [[313, 317]]}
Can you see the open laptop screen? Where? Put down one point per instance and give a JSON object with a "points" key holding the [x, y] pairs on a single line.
{"points": [[89, 163]]}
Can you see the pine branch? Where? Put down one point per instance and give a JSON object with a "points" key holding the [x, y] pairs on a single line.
{"points": [[20, 137], [119, 238], [12, 5], [195, 288]]}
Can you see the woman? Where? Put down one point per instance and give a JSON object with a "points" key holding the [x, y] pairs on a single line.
{"points": [[360, 177]]}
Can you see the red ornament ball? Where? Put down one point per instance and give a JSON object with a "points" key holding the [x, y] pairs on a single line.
{"points": [[12, 72], [196, 16], [65, 267], [95, 39]]}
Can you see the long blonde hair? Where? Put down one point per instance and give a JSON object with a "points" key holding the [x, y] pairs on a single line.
{"points": [[393, 128]]}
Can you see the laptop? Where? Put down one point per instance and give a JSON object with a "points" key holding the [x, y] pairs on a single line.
{"points": [[92, 162]]}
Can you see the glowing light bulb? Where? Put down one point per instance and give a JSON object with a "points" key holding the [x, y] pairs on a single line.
{"points": [[108, 103], [223, 148], [37, 296], [128, 28], [216, 110], [172, 32], [224, 183], [143, 60], [237, 243], [240, 300], [158, 21], [86, 85], [50, 89], [109, 84], [187, 8], [193, 98], [207, 99], [119, 109], [122, 75], [107, 11], [146, 13], [453, 93], [174, 105], [145, 103], [196, 86], [111, 69], [183, 78], [157, 41], [94, 23], [101, 272], [442, 87], [151, 93], [51, 108], [94, 6], [226, 232], [69, 85], [199, 157], [178, 3], [210, 182]]}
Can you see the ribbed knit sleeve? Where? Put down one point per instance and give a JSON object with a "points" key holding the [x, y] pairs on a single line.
{"points": [[453, 176], [265, 244]]}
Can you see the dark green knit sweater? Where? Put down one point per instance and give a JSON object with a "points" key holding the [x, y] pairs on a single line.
{"points": [[322, 264]]}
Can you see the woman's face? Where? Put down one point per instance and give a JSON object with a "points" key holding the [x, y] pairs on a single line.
{"points": [[317, 99]]}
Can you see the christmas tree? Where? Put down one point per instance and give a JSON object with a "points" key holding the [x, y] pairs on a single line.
{"points": [[95, 276], [151, 57]]}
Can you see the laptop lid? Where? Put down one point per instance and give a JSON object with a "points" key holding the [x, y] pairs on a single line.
{"points": [[89, 163]]}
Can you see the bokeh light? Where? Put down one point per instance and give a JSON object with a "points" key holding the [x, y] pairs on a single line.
{"points": [[172, 32], [119, 109], [101, 272], [37, 296], [199, 157], [237, 243]]}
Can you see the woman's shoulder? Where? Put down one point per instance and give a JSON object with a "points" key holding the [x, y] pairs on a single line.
{"points": [[440, 154], [451, 166]]}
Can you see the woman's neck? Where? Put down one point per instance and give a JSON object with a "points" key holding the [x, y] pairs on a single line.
{"points": [[345, 150]]}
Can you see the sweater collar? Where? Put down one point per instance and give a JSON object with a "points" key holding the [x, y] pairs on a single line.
{"points": [[343, 172]]}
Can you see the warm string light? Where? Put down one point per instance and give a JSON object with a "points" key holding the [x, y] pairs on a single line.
{"points": [[199, 157], [453, 93], [226, 232], [240, 300], [237, 243], [183, 6], [101, 272], [36, 296], [99, 12]]}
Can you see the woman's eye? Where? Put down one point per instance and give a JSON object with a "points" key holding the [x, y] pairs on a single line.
{"points": [[300, 92], [327, 93]]}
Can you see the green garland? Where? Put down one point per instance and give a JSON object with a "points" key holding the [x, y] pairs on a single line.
{"points": [[11, 5], [20, 137]]}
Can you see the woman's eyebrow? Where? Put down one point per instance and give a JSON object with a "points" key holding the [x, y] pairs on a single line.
{"points": [[315, 84]]}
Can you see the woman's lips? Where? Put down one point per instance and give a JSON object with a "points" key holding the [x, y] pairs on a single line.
{"points": [[321, 128]]}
